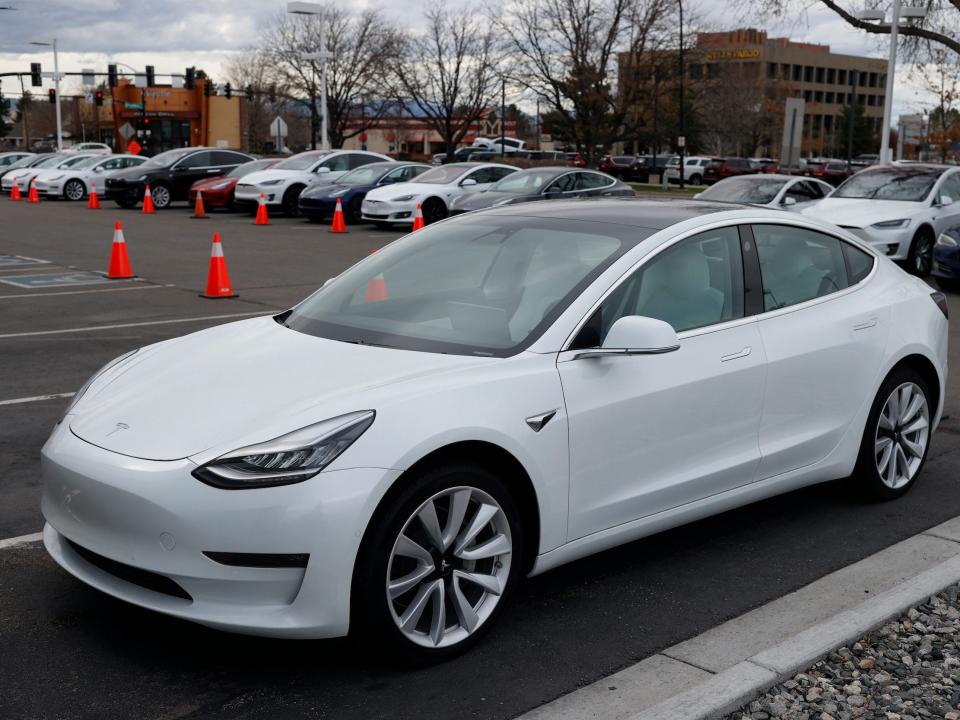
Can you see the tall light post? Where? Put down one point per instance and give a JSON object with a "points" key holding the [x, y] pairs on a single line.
{"points": [[899, 12], [56, 84], [306, 8], [682, 140]]}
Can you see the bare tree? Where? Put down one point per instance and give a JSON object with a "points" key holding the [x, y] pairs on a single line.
{"points": [[941, 26], [581, 58], [940, 76], [363, 45], [448, 71], [250, 73]]}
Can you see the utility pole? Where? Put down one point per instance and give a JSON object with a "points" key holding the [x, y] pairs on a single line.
{"points": [[538, 124], [503, 117], [851, 121], [682, 140], [885, 157]]}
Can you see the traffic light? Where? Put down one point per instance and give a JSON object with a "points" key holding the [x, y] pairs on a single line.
{"points": [[249, 93], [209, 88], [112, 75], [98, 98], [36, 78], [189, 78], [151, 76], [228, 91], [53, 96]]}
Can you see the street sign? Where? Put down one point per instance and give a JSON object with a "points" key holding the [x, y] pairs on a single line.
{"points": [[133, 106], [89, 76], [55, 280], [127, 131], [278, 128], [792, 131], [133, 147], [681, 141]]}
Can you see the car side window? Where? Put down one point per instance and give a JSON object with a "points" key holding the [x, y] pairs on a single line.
{"points": [[859, 263], [591, 181], [803, 192], [951, 187], [396, 176], [564, 183], [498, 173], [338, 163], [797, 265], [112, 164], [226, 158], [696, 283], [355, 160], [197, 160]]}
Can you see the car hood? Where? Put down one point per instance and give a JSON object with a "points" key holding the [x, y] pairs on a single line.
{"points": [[207, 183], [480, 200], [855, 212], [325, 190], [261, 176], [238, 384], [388, 192], [133, 173]]}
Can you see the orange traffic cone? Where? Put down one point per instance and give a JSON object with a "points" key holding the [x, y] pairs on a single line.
{"points": [[148, 208], [262, 218], [376, 288], [338, 226], [198, 212], [94, 202], [218, 281], [33, 196], [119, 262], [15, 193], [417, 219]]}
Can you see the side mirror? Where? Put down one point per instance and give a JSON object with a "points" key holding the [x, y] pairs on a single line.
{"points": [[468, 182], [635, 335], [553, 191], [327, 282], [98, 169], [323, 169], [945, 200], [788, 200]]}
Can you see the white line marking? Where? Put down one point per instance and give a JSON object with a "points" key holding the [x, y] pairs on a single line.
{"points": [[138, 324], [13, 542], [37, 398], [82, 292], [32, 269]]}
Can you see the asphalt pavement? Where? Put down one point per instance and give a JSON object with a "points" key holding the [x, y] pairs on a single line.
{"points": [[67, 651]]}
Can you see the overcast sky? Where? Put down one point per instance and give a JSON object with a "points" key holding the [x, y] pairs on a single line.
{"points": [[172, 34]]}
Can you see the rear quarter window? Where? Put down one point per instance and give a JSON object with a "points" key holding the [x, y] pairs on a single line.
{"points": [[859, 263]]}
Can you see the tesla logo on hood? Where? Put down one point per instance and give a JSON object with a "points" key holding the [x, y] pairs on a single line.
{"points": [[117, 428]]}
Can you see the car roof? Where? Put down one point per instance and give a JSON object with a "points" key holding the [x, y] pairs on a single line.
{"points": [[651, 214], [911, 168]]}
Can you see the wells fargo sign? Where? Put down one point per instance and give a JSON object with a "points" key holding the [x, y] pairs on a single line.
{"points": [[739, 54]]}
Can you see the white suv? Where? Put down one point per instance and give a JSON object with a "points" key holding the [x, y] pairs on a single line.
{"points": [[693, 168]]}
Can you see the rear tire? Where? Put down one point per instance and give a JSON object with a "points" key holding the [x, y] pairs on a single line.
{"points": [[920, 257], [896, 438], [403, 564], [291, 201], [696, 180]]}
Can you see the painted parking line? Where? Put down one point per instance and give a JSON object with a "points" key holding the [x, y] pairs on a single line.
{"points": [[37, 398], [119, 326], [83, 292], [12, 260], [65, 279], [21, 540]]}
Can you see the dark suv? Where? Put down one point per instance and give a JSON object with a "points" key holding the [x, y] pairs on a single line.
{"points": [[726, 167], [170, 175]]}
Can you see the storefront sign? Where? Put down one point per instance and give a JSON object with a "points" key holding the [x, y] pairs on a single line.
{"points": [[738, 54]]}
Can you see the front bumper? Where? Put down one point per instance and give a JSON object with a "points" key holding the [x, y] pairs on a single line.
{"points": [[153, 517], [211, 198], [22, 182], [321, 208], [894, 243], [249, 195], [124, 189], [388, 211], [50, 188]]}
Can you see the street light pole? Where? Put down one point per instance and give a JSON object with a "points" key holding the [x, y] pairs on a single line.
{"points": [[315, 9], [683, 129], [888, 97]]}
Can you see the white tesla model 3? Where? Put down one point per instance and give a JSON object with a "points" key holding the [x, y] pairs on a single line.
{"points": [[486, 399]]}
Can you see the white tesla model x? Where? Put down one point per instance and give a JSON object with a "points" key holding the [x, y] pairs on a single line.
{"points": [[486, 399]]}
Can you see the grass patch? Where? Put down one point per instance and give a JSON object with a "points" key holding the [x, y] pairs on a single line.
{"points": [[645, 189]]}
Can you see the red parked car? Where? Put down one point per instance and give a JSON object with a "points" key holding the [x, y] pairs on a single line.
{"points": [[620, 166], [832, 172], [576, 159], [218, 191], [721, 168]]}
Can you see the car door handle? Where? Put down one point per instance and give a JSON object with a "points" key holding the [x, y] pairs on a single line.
{"points": [[737, 355], [866, 325]]}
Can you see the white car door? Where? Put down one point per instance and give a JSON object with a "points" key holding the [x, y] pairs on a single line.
{"points": [[947, 214], [652, 432], [824, 335]]}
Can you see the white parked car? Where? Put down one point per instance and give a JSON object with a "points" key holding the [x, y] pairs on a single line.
{"points": [[486, 399], [693, 168], [24, 176], [88, 148], [282, 184], [510, 145], [900, 209], [434, 191], [75, 182], [786, 192], [9, 158]]}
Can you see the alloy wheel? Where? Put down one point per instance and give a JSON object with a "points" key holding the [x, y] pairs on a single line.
{"points": [[73, 190], [161, 196], [903, 430], [449, 567], [923, 255]]}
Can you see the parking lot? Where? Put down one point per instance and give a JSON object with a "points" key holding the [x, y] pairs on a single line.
{"points": [[69, 651]]}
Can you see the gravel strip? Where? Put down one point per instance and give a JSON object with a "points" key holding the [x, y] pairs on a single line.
{"points": [[909, 669]]}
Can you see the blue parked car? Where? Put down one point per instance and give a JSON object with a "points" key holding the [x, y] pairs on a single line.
{"points": [[318, 202], [946, 259]]}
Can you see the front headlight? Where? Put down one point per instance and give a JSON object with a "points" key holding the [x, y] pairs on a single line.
{"points": [[891, 224], [403, 198], [946, 241], [288, 459], [271, 182], [86, 386], [220, 185], [143, 178]]}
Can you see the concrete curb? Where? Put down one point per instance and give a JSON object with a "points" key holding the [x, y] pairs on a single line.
{"points": [[722, 669]]}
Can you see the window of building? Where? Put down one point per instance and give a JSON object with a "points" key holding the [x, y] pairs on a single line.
{"points": [[820, 74], [880, 99], [797, 73], [861, 100], [771, 71], [828, 98], [818, 96], [873, 79], [807, 73], [808, 95], [831, 76], [883, 80], [841, 77], [863, 79], [696, 72], [713, 71], [871, 100], [785, 71]]}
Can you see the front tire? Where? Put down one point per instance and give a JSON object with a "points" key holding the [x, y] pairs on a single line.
{"points": [[74, 190], [897, 436], [290, 205], [920, 257], [696, 180], [438, 565], [161, 197], [433, 211]]}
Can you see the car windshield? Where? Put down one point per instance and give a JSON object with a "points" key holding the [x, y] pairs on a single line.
{"points": [[248, 167], [50, 162], [168, 158], [366, 175], [89, 162], [524, 182], [442, 175], [757, 190], [23, 162], [488, 286], [72, 162], [889, 183], [303, 161]]}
